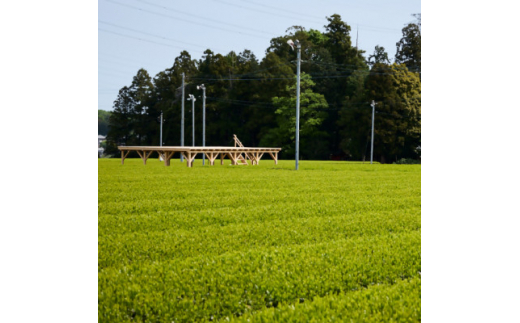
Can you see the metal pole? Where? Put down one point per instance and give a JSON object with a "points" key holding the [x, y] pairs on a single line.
{"points": [[372, 145], [182, 117], [192, 99], [160, 144], [203, 88], [192, 120], [298, 105], [203, 121]]}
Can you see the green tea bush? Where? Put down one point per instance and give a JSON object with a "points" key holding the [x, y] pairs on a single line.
{"points": [[234, 242], [400, 302], [408, 161]]}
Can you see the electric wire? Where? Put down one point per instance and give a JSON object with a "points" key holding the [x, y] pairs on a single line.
{"points": [[183, 19], [204, 18], [145, 40], [153, 35]]}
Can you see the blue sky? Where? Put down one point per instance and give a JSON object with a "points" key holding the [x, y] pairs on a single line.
{"points": [[149, 34]]}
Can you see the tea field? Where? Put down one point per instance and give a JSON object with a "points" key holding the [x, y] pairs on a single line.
{"points": [[332, 242]]}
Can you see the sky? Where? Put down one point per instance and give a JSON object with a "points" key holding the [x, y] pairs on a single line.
{"points": [[149, 34]]}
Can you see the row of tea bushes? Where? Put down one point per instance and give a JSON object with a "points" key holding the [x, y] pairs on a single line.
{"points": [[238, 282], [384, 303]]}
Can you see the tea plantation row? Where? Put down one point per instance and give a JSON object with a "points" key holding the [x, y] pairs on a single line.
{"points": [[262, 243]]}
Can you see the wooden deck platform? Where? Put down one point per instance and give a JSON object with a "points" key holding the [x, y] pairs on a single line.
{"points": [[236, 154]]}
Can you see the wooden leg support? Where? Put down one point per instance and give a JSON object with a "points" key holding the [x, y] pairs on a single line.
{"points": [[275, 157], [123, 156], [144, 155], [212, 156], [167, 155], [234, 158], [189, 156], [256, 157]]}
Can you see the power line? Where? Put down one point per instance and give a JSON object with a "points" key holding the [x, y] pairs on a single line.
{"points": [[204, 18], [145, 40], [121, 58], [182, 19], [279, 10], [262, 11], [100, 68], [280, 78], [353, 65], [153, 35], [312, 19], [109, 61]]}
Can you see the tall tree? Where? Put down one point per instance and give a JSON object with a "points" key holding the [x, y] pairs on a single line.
{"points": [[409, 47], [130, 120], [354, 118], [311, 117], [397, 93], [121, 128], [379, 56], [347, 59], [103, 125], [168, 96], [141, 91]]}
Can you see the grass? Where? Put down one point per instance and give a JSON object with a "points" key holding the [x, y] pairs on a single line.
{"points": [[258, 243]]}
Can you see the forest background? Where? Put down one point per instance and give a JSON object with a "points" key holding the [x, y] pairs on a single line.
{"points": [[256, 99]]}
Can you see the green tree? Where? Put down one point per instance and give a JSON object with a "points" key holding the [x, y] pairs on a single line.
{"points": [[103, 125], [379, 56], [311, 117], [130, 120], [354, 118], [409, 47], [143, 118], [168, 95], [120, 122], [347, 59], [397, 93]]}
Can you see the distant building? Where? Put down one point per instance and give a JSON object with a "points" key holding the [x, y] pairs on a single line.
{"points": [[101, 138]]}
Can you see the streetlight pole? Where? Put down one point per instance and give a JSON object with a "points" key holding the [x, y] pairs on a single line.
{"points": [[192, 99], [298, 45], [372, 145], [160, 144], [182, 117], [203, 88]]}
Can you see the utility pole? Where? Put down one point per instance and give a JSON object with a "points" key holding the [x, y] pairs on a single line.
{"points": [[372, 145], [192, 99], [357, 34], [160, 139], [182, 116], [298, 45], [203, 88]]}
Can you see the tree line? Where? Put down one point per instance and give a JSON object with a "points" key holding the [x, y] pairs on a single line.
{"points": [[256, 99]]}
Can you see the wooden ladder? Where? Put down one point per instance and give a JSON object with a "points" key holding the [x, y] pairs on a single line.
{"points": [[241, 158]]}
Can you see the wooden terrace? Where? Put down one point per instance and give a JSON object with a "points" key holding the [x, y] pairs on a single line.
{"points": [[238, 155]]}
